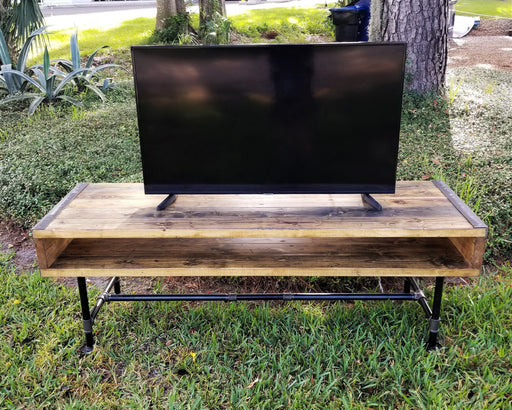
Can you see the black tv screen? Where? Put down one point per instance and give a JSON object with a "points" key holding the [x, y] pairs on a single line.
{"points": [[274, 118]]}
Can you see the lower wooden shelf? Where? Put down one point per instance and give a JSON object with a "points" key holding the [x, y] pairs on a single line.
{"points": [[263, 256]]}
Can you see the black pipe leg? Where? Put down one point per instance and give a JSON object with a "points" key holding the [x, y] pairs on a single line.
{"points": [[407, 285], [117, 286], [86, 316], [435, 321]]}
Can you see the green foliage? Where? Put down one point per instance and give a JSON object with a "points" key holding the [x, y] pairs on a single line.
{"points": [[45, 155], [90, 78], [248, 355], [18, 19], [216, 30], [174, 28], [48, 83], [283, 24], [13, 84]]}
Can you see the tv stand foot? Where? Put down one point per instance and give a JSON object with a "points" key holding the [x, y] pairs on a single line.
{"points": [[371, 201], [171, 198]]}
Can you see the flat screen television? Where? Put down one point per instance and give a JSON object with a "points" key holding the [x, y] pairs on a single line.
{"points": [[273, 118]]}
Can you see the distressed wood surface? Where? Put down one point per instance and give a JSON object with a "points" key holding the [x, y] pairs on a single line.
{"points": [[263, 256], [114, 229], [123, 211]]}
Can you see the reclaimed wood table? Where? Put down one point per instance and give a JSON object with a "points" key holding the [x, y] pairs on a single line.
{"points": [[114, 230]]}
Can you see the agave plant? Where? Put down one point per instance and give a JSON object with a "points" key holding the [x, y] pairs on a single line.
{"points": [[47, 83], [15, 84], [86, 79]]}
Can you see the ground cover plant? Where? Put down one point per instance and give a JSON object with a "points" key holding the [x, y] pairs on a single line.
{"points": [[254, 355]]}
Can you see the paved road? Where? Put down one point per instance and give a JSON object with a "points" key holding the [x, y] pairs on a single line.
{"points": [[83, 14]]}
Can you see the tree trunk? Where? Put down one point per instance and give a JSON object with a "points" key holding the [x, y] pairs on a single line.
{"points": [[166, 9], [423, 25], [208, 9]]}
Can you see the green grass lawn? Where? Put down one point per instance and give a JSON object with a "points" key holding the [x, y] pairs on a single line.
{"points": [[283, 24], [497, 8], [250, 355], [135, 31], [254, 355]]}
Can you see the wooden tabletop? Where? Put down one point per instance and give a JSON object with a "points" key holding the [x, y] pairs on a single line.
{"points": [[417, 209]]}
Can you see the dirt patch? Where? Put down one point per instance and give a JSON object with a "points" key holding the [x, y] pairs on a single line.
{"points": [[492, 27], [488, 46], [17, 241]]}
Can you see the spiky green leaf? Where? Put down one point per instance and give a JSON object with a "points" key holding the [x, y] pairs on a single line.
{"points": [[46, 63], [22, 58], [91, 57], [70, 77], [4, 50], [27, 79], [35, 104], [103, 67], [70, 100], [18, 97], [75, 51], [96, 90]]}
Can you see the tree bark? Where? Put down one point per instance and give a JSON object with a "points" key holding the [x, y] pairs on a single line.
{"points": [[208, 8], [423, 25], [166, 9]]}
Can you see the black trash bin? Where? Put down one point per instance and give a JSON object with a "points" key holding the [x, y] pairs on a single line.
{"points": [[346, 23], [351, 22]]}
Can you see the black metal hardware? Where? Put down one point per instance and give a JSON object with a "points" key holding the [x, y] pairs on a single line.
{"points": [[260, 296], [422, 300], [407, 285], [371, 201], [89, 316], [169, 200], [436, 315], [86, 316]]}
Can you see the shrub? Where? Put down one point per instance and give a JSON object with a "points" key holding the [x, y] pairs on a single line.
{"points": [[174, 27]]}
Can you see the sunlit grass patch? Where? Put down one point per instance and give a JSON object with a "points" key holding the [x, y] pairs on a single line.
{"points": [[498, 8], [282, 23]]}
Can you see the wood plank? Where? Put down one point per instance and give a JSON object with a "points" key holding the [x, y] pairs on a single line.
{"points": [[470, 216], [314, 271], [48, 250], [57, 209], [195, 232], [472, 249], [106, 208]]}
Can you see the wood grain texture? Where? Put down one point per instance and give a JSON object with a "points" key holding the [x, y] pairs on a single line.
{"points": [[123, 211], [262, 256], [48, 250], [114, 229]]}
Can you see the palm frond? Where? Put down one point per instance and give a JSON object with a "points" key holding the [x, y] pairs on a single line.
{"points": [[24, 17]]}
